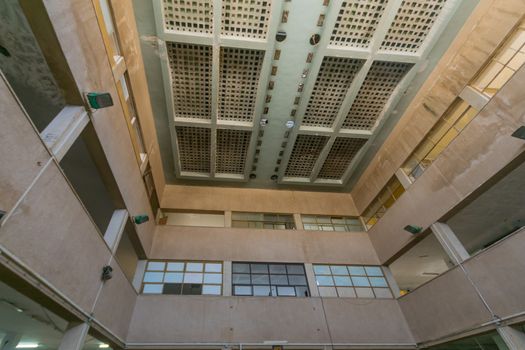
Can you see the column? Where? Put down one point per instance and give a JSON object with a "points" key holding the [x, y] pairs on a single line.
{"points": [[228, 218], [391, 281], [450, 242], [74, 337], [403, 179], [514, 339], [227, 278], [298, 222], [310, 277]]}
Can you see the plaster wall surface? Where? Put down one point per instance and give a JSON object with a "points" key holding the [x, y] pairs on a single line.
{"points": [[237, 244], [257, 200], [179, 319], [490, 23], [476, 155], [77, 29]]}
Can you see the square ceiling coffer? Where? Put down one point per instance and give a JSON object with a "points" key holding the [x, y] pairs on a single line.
{"points": [[343, 151], [305, 153], [232, 149], [194, 149]]}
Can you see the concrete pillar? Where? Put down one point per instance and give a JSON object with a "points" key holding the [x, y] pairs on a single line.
{"points": [[391, 281], [403, 179], [139, 273], [116, 227], [74, 337], [228, 218], [450, 242], [10, 341], [514, 339], [298, 221], [227, 278], [474, 98], [310, 276]]}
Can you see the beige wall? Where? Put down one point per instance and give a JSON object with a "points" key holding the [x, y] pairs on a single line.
{"points": [[179, 319], [237, 244], [478, 39], [480, 151], [256, 200]]}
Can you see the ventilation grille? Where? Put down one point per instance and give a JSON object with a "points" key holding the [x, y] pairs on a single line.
{"points": [[245, 18], [190, 67], [412, 24], [341, 154], [193, 16], [239, 77], [305, 152], [357, 22], [232, 148], [377, 88], [194, 148], [334, 79]]}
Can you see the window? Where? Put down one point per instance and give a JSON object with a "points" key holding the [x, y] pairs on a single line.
{"points": [[331, 223], [194, 219], [442, 134], [259, 279], [111, 37], [263, 220], [510, 57], [351, 281], [386, 198], [150, 189], [183, 277]]}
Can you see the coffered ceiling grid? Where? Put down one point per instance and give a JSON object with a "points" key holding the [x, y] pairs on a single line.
{"points": [[216, 59], [393, 38]]}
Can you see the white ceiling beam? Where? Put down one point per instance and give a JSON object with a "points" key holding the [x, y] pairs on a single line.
{"points": [[215, 81]]}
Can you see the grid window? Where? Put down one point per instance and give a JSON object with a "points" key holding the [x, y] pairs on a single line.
{"points": [[261, 279], [263, 220], [348, 281], [503, 65], [440, 136], [183, 278], [386, 198], [331, 223]]}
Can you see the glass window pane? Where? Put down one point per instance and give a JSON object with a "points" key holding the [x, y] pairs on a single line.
{"points": [[260, 279], [324, 280], [327, 292], [259, 268], [242, 290], [213, 278], [301, 291], [175, 266], [211, 290], [342, 281], [327, 228], [278, 269], [339, 270], [308, 219], [152, 289], [155, 266], [192, 289], [346, 292], [311, 227], [153, 276], [172, 288], [241, 268], [172, 277], [297, 280], [322, 269], [295, 269], [378, 282], [373, 271], [323, 220], [356, 270], [192, 277], [286, 291], [278, 279], [241, 278], [360, 281], [364, 292], [382, 293], [263, 291], [213, 267], [194, 267], [340, 228]]}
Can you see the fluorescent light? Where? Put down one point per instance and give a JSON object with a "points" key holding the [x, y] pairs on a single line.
{"points": [[27, 345], [103, 346]]}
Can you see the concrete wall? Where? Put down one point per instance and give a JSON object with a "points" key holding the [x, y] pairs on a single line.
{"points": [[256, 200], [237, 244], [479, 38], [179, 319], [480, 151], [450, 304]]}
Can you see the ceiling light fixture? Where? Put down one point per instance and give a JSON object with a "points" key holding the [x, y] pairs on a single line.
{"points": [[27, 346], [103, 346]]}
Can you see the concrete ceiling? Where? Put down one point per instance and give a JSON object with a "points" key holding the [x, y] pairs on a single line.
{"points": [[216, 72]]}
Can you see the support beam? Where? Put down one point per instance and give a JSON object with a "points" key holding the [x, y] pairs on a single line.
{"points": [[474, 98], [227, 278], [115, 228], [514, 339], [228, 218], [391, 281], [450, 242], [74, 337], [298, 221], [310, 277], [139, 273], [403, 179]]}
